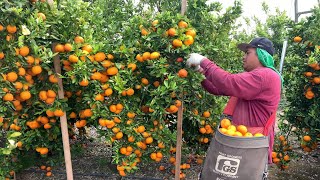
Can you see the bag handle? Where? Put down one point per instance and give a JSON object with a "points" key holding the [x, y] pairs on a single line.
{"points": [[269, 123], [231, 105]]}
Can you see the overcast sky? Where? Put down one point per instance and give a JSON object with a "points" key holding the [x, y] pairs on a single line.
{"points": [[253, 7]]}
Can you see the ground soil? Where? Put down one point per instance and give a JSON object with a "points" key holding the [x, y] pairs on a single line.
{"points": [[95, 164]]}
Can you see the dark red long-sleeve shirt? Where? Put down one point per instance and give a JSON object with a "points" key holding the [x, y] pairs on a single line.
{"points": [[258, 93]]}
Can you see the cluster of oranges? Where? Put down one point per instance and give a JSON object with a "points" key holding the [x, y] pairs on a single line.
{"points": [[48, 169], [226, 127], [314, 79], [308, 144], [42, 150], [311, 73], [281, 152]]}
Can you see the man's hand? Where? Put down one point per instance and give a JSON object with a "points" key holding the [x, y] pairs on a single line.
{"points": [[195, 60]]}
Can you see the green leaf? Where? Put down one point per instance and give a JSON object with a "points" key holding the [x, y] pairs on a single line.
{"points": [[15, 134], [6, 151]]}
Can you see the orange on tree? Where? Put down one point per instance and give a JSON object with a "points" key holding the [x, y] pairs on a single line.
{"points": [[43, 151], [24, 51], [59, 48], [132, 66], [130, 92], [149, 140], [206, 114], [306, 138], [183, 73], [53, 78], [112, 71], [188, 41], [12, 76], [100, 56], [110, 57], [49, 173], [78, 40], [58, 112], [297, 39], [191, 32], [182, 24], [1, 55], [25, 95], [51, 94], [73, 58], [161, 168], [177, 43], [282, 138], [144, 32], [172, 32], [11, 29], [41, 16], [84, 82], [36, 69], [67, 47], [87, 48], [154, 55]]}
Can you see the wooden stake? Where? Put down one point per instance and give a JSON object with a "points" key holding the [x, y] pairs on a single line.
{"points": [[183, 6], [180, 117], [50, 2], [63, 122], [179, 142]]}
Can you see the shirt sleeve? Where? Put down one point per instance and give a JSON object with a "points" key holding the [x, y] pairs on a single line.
{"points": [[246, 85]]}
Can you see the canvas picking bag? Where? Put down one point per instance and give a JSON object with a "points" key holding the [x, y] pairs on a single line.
{"points": [[238, 158]]}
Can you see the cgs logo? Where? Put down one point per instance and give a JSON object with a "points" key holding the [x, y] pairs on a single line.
{"points": [[226, 165]]}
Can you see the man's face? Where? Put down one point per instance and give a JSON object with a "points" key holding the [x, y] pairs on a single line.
{"points": [[250, 60]]}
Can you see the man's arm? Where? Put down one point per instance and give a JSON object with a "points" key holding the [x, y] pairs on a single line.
{"points": [[245, 85]]}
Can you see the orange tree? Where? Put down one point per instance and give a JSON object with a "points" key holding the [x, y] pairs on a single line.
{"points": [[302, 80], [165, 35], [25, 57], [216, 29], [29, 102], [134, 93], [127, 79]]}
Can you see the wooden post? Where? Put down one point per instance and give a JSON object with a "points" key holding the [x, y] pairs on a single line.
{"points": [[179, 142], [180, 118], [183, 6], [63, 121], [50, 2]]}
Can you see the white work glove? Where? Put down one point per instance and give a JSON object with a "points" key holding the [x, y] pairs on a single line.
{"points": [[195, 60]]}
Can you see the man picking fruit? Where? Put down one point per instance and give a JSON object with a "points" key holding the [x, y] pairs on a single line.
{"points": [[255, 93]]}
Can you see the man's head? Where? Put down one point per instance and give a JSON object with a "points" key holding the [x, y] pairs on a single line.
{"points": [[259, 42], [250, 58]]}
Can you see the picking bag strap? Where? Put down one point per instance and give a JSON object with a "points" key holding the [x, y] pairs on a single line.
{"points": [[231, 105], [269, 123]]}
